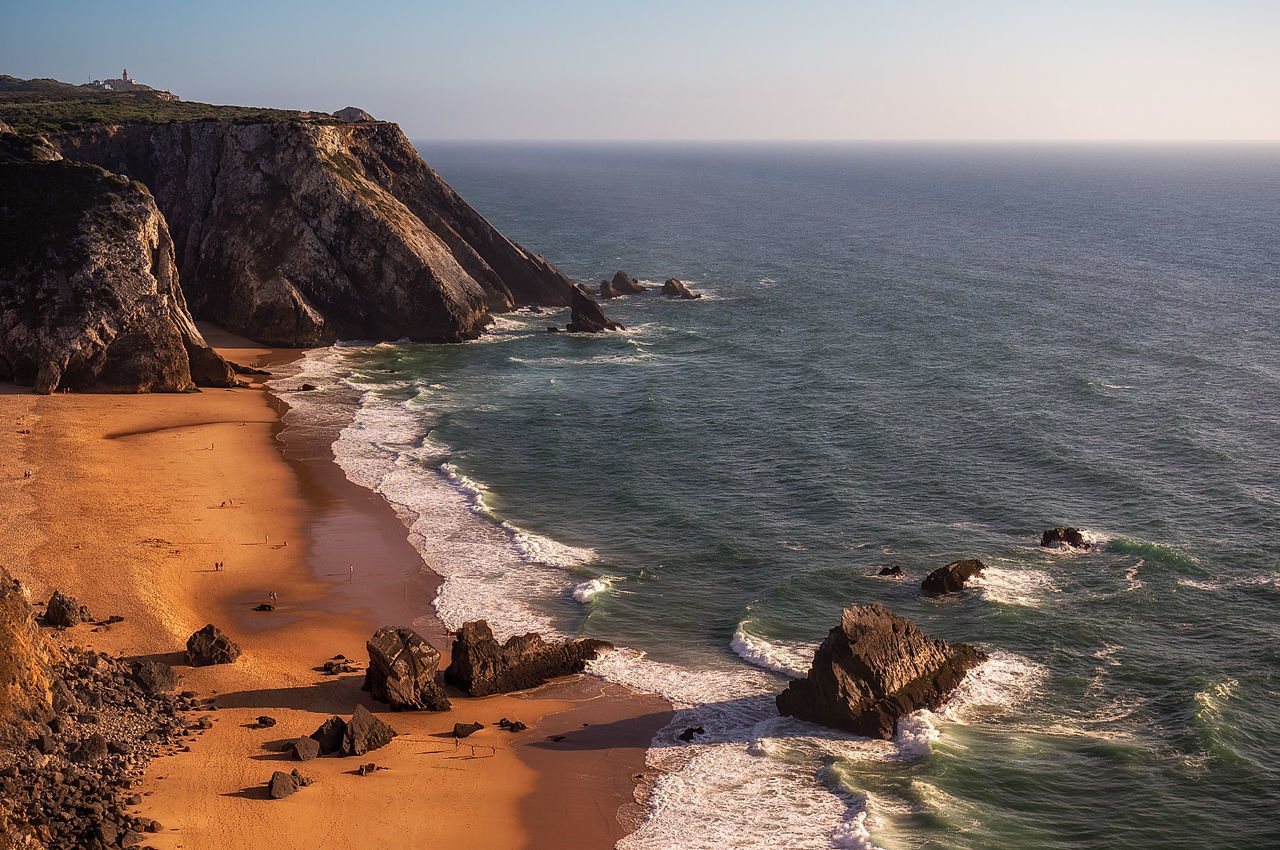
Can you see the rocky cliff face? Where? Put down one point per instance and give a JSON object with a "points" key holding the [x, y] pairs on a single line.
{"points": [[26, 661], [89, 295], [297, 233]]}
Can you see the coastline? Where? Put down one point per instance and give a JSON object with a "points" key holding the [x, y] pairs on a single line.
{"points": [[140, 484]]}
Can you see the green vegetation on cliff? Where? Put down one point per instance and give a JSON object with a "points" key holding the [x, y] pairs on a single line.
{"points": [[50, 106]]}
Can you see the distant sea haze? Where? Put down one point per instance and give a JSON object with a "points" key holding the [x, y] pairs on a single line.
{"points": [[904, 356]]}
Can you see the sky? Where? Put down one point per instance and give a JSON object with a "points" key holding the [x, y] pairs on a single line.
{"points": [[697, 69]]}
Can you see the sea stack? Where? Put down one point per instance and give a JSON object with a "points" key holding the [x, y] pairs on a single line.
{"points": [[873, 669], [951, 578], [674, 288], [1065, 536], [587, 316]]}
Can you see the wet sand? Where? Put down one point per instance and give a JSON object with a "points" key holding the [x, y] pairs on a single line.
{"points": [[131, 502]]}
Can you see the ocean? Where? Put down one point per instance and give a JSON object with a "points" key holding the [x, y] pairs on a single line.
{"points": [[904, 355]]}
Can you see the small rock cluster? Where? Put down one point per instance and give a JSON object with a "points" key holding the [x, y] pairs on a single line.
{"points": [[354, 737]]}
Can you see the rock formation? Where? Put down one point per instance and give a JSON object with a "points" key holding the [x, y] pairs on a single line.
{"points": [[155, 677], [893, 571], [625, 284], [587, 316], [329, 735], [874, 669], [282, 784], [402, 671], [364, 733], [464, 730], [89, 295], [606, 290], [64, 611], [951, 578], [352, 114], [303, 232], [210, 646], [26, 660], [673, 288], [1065, 535], [481, 666]]}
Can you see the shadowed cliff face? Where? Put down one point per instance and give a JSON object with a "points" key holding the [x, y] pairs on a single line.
{"points": [[26, 658], [302, 234], [89, 295]]}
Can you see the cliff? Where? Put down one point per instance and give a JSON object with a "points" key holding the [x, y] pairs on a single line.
{"points": [[26, 663], [89, 295], [304, 232]]}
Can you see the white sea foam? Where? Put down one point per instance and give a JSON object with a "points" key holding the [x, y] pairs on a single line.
{"points": [[1028, 588], [589, 590], [787, 657]]}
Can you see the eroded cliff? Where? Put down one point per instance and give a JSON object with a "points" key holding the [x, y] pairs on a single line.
{"points": [[302, 233]]}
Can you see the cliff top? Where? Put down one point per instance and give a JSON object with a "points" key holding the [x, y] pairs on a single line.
{"points": [[44, 106]]}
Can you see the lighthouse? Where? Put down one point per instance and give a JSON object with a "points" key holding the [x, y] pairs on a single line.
{"points": [[124, 75]]}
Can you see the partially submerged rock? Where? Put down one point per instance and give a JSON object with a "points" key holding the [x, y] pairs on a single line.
{"points": [[951, 578], [894, 571], [210, 646], [874, 669], [587, 316], [1065, 536], [402, 671], [625, 284], [481, 666], [673, 288], [64, 611]]}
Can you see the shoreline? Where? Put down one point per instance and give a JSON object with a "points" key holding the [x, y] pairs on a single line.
{"points": [[140, 484]]}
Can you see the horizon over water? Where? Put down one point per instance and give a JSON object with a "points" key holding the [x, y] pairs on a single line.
{"points": [[906, 355]]}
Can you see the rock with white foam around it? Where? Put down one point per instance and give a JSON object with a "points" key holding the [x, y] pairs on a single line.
{"points": [[872, 670]]}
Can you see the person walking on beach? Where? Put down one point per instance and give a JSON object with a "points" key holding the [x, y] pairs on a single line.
{"points": [[351, 573]]}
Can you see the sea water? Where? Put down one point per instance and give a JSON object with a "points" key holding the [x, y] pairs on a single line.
{"points": [[904, 355]]}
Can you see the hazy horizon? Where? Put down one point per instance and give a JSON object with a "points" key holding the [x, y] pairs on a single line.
{"points": [[991, 71]]}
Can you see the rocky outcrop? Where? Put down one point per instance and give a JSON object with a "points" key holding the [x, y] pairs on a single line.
{"points": [[354, 737], [89, 295], [352, 114], [329, 735], [465, 730], [402, 671], [673, 288], [282, 784], [155, 677], [587, 316], [26, 662], [951, 578], [893, 571], [210, 646], [481, 666], [63, 612], [874, 669], [625, 284], [606, 290], [304, 232], [1065, 536]]}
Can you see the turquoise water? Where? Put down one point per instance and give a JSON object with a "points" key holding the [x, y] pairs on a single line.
{"points": [[904, 356]]}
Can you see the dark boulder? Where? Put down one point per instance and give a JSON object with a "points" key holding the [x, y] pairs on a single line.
{"points": [[464, 730], [951, 578], [587, 316], [481, 666], [330, 734], [283, 784], [625, 284], [155, 677], [266, 721], [606, 290], [874, 669], [364, 733], [210, 646], [402, 671], [91, 749], [305, 748], [64, 611], [673, 288], [894, 571], [1065, 536], [687, 735]]}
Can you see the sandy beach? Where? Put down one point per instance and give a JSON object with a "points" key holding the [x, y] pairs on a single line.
{"points": [[131, 502]]}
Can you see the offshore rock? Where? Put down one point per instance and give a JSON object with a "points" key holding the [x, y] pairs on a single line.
{"points": [[210, 646], [951, 578], [587, 316], [874, 669], [673, 288], [625, 284], [364, 733], [301, 232], [481, 666], [402, 671], [606, 290], [1065, 535], [89, 294]]}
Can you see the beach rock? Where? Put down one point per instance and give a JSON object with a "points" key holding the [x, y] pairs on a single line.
{"points": [[352, 114], [894, 570], [305, 748], [282, 785], [367, 768], [64, 611], [951, 578], [266, 721], [587, 317], [1065, 536], [264, 606], [463, 730], [330, 734], [155, 677], [673, 288], [511, 725], [89, 294], [365, 733], [874, 669], [625, 284], [91, 748], [302, 232], [402, 671], [481, 666], [210, 646]]}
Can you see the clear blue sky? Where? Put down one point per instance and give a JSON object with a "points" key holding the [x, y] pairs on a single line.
{"points": [[654, 69]]}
